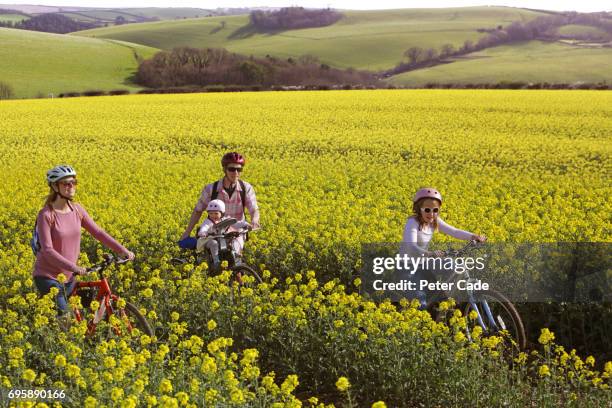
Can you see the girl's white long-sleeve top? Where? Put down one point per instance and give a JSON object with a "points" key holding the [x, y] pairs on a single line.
{"points": [[415, 242]]}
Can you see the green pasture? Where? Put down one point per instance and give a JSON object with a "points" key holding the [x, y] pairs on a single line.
{"points": [[372, 40], [532, 61], [35, 63]]}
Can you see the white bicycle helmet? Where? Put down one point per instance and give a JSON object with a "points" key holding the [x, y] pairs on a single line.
{"points": [[216, 205], [59, 172]]}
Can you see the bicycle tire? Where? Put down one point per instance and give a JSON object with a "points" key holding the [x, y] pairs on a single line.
{"points": [[244, 270], [135, 318], [511, 320], [178, 261]]}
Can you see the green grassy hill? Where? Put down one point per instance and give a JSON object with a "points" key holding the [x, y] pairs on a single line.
{"points": [[362, 39], [41, 63], [532, 61]]}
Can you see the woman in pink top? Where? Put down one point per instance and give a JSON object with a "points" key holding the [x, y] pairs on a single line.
{"points": [[59, 229]]}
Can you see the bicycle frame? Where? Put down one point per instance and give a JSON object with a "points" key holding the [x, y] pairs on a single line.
{"points": [[474, 303], [226, 249], [104, 297]]}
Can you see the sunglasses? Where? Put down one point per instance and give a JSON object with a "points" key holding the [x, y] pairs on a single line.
{"points": [[234, 169], [68, 183], [429, 210]]}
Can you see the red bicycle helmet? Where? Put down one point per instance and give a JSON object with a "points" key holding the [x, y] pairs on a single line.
{"points": [[232, 157]]}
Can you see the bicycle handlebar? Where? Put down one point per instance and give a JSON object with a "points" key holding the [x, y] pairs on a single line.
{"points": [[108, 260], [232, 234], [469, 246]]}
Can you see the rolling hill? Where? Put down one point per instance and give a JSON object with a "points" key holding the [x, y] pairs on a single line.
{"points": [[38, 63], [371, 40], [35, 63], [532, 61], [106, 16]]}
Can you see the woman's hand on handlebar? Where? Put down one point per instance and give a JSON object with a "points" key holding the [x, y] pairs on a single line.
{"points": [[129, 255], [80, 270], [479, 238]]}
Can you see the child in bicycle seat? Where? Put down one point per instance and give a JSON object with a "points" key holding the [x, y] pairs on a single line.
{"points": [[216, 211]]}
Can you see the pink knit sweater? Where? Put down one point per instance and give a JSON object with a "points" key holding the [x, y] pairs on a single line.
{"points": [[60, 241]]}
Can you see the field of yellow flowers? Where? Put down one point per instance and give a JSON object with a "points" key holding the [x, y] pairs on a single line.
{"points": [[332, 170]]}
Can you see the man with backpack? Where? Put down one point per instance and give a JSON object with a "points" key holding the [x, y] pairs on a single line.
{"points": [[234, 192]]}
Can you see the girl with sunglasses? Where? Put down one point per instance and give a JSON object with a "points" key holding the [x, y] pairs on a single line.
{"points": [[425, 221], [58, 227], [421, 226]]}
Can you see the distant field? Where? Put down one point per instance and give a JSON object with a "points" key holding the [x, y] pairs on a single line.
{"points": [[169, 13], [363, 39], [33, 62], [13, 17], [108, 16], [572, 30], [532, 61]]}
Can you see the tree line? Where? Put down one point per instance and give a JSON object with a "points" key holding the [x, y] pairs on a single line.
{"points": [[543, 27], [186, 66], [292, 18], [49, 23]]}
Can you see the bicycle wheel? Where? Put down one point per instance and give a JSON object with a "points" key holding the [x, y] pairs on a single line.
{"points": [[240, 272], [178, 261], [134, 318], [504, 315]]}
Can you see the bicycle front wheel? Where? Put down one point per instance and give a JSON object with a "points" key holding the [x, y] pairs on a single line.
{"points": [[497, 316], [244, 275], [133, 318]]}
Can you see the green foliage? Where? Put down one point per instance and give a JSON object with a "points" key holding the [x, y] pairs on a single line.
{"points": [[6, 91]]}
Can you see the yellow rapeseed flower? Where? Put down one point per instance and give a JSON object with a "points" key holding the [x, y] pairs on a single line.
{"points": [[211, 325], [165, 386], [343, 384], [60, 361], [546, 336], [29, 375], [544, 370]]}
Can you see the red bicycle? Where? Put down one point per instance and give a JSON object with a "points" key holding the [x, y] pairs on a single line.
{"points": [[110, 304]]}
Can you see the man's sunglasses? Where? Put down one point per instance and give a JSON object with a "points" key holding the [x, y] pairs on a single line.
{"points": [[234, 169], [429, 210]]}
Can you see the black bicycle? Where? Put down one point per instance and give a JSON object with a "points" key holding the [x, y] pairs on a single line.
{"points": [[224, 237]]}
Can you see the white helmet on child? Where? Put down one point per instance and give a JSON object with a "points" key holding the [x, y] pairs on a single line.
{"points": [[216, 205]]}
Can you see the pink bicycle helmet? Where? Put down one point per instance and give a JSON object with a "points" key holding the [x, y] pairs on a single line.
{"points": [[427, 192]]}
